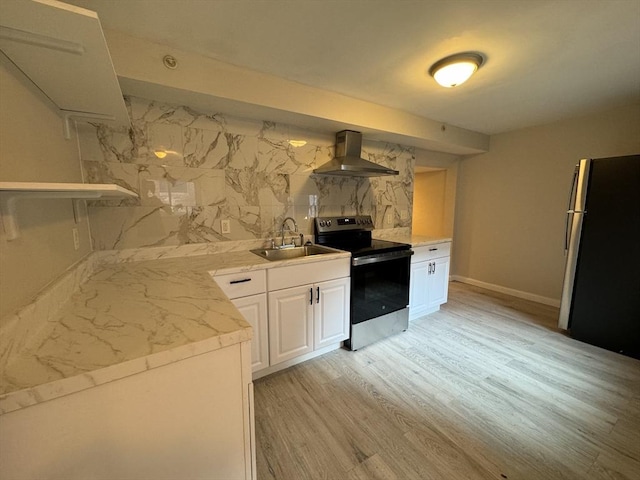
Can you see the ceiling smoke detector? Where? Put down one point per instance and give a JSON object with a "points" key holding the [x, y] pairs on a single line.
{"points": [[170, 62]]}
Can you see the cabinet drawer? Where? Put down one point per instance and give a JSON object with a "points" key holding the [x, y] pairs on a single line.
{"points": [[294, 275], [236, 285], [429, 252]]}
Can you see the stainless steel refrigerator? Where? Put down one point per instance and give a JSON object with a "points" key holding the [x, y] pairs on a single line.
{"points": [[601, 293]]}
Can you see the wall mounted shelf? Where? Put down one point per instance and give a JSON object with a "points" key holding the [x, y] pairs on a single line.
{"points": [[10, 192]]}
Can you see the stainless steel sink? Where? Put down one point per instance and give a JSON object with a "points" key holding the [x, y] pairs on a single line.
{"points": [[274, 254]]}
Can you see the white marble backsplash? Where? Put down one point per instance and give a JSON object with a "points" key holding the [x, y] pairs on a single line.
{"points": [[187, 250], [215, 168]]}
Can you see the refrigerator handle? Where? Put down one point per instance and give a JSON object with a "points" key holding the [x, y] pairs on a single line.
{"points": [[579, 202], [570, 210]]}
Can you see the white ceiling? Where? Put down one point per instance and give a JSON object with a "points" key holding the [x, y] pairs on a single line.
{"points": [[546, 59]]}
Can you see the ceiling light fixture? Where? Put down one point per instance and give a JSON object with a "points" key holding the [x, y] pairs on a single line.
{"points": [[297, 143], [456, 69]]}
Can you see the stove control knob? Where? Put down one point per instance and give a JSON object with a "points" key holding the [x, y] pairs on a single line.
{"points": [[328, 223], [322, 223]]}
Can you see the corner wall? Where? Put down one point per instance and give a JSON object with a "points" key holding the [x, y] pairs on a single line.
{"points": [[511, 201], [33, 149], [434, 194]]}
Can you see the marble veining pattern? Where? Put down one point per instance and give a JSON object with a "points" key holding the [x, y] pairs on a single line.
{"points": [[192, 170], [124, 312], [18, 330], [127, 318]]}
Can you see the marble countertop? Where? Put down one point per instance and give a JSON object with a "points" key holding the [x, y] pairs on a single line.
{"points": [[413, 240], [128, 318], [421, 241]]}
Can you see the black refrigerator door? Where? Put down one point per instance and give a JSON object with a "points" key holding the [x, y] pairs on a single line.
{"points": [[605, 309]]}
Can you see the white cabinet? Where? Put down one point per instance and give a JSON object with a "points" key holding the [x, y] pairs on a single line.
{"points": [[291, 323], [310, 315], [306, 318], [304, 313], [418, 289], [247, 291], [429, 284], [331, 312], [192, 418], [438, 283], [254, 310]]}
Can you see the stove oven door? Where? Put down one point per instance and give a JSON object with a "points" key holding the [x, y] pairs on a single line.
{"points": [[379, 284]]}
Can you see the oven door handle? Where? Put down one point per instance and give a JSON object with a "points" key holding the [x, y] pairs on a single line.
{"points": [[380, 257]]}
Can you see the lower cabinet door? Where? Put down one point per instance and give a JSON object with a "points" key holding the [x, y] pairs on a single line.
{"points": [[290, 323], [438, 282], [331, 312], [254, 310], [418, 289]]}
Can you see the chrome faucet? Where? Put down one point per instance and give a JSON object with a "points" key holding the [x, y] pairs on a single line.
{"points": [[295, 228]]}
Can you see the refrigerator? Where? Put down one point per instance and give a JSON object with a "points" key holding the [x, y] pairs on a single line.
{"points": [[600, 301]]}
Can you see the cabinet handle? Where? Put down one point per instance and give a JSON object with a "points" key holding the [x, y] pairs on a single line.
{"points": [[433, 249], [429, 269], [434, 267], [317, 294], [232, 282], [311, 296]]}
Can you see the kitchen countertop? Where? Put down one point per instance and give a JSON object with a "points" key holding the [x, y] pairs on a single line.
{"points": [[421, 241], [413, 240], [128, 318]]}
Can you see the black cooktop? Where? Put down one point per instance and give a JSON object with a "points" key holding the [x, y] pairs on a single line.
{"points": [[353, 234], [374, 246]]}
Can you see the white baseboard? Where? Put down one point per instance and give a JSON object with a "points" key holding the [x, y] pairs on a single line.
{"points": [[509, 291]]}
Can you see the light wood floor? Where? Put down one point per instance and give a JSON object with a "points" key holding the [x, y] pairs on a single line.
{"points": [[486, 388]]}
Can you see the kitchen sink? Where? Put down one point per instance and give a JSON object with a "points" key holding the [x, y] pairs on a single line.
{"points": [[274, 254]]}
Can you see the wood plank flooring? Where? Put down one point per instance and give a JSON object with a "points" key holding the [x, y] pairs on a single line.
{"points": [[487, 388]]}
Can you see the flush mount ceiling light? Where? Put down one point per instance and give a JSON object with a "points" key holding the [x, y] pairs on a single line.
{"points": [[456, 69]]}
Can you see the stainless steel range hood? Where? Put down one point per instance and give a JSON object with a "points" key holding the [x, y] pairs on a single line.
{"points": [[348, 161]]}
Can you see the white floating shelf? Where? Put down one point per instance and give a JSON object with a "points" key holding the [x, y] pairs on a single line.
{"points": [[12, 191], [66, 190]]}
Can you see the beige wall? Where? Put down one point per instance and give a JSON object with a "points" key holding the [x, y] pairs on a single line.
{"points": [[434, 193], [511, 202], [33, 148], [429, 203]]}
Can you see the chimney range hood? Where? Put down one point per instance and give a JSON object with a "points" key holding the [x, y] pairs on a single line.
{"points": [[348, 161]]}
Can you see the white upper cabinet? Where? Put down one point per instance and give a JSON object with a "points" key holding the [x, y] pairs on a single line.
{"points": [[62, 50]]}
